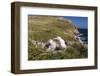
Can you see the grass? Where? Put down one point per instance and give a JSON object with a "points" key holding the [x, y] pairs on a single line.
{"points": [[73, 52], [49, 27], [43, 28]]}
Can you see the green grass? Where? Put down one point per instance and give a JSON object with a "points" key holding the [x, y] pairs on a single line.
{"points": [[49, 27], [43, 28], [73, 52]]}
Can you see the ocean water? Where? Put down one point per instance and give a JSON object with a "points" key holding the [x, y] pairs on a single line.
{"points": [[84, 35]]}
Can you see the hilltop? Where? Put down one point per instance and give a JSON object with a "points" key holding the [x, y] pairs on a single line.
{"points": [[46, 27]]}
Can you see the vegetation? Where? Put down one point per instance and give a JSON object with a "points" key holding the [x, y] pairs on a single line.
{"points": [[43, 28]]}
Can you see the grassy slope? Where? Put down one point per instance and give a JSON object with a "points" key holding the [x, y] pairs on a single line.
{"points": [[43, 28], [49, 27]]}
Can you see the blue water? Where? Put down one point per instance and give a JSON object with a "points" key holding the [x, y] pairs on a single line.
{"points": [[84, 35]]}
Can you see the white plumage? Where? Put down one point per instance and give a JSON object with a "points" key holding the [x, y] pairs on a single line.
{"points": [[55, 43], [52, 45]]}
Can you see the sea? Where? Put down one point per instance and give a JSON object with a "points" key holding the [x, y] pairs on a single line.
{"points": [[83, 35]]}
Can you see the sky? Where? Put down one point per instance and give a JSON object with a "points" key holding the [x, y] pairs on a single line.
{"points": [[80, 22]]}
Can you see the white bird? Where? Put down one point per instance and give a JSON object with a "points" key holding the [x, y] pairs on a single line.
{"points": [[51, 45], [56, 44], [62, 42]]}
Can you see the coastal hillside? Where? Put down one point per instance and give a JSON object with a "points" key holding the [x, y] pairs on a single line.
{"points": [[46, 27], [43, 28]]}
